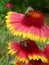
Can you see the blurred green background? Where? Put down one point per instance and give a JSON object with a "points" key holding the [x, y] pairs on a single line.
{"points": [[18, 6]]}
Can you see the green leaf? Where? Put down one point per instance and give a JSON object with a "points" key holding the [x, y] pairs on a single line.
{"points": [[0, 63], [12, 61]]}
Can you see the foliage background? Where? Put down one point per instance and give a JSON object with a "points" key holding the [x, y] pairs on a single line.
{"points": [[18, 6]]}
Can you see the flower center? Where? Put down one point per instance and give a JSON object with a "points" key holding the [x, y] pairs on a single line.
{"points": [[28, 46], [34, 14], [34, 18]]}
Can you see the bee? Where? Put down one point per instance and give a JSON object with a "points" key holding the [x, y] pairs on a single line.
{"points": [[29, 9]]}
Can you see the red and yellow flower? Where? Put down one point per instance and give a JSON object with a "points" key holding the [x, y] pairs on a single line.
{"points": [[35, 62], [26, 51], [31, 27]]}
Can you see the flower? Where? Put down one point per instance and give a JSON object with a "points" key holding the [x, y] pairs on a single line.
{"points": [[26, 51], [31, 27], [9, 5]]}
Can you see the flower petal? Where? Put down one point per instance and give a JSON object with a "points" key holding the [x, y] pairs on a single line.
{"points": [[46, 51], [13, 47]]}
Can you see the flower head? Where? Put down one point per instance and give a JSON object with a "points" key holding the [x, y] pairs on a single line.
{"points": [[26, 51], [31, 27], [9, 5]]}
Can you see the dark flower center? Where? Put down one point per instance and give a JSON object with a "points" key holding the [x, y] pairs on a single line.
{"points": [[29, 46], [34, 18]]}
